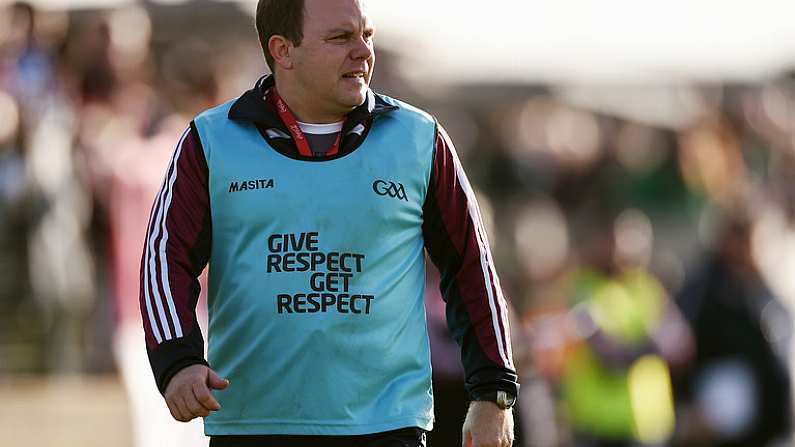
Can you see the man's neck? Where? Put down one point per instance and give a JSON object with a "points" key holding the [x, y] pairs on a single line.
{"points": [[302, 107]]}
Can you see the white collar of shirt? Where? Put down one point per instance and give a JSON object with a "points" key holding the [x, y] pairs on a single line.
{"points": [[320, 129]]}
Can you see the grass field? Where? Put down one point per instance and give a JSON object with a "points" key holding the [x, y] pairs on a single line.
{"points": [[63, 412]]}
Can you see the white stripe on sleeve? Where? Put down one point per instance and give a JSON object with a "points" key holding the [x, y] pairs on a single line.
{"points": [[164, 240], [147, 300], [151, 254], [490, 279]]}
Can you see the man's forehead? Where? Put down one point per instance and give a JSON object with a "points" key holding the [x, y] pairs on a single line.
{"points": [[333, 14]]}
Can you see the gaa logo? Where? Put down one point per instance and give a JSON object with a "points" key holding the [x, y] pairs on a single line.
{"points": [[391, 189]]}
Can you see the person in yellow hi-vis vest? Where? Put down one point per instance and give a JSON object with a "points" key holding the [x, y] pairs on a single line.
{"points": [[616, 386]]}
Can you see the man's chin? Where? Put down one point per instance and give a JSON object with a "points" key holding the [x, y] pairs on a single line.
{"points": [[355, 100]]}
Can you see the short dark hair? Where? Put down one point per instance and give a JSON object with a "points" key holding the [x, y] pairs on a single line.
{"points": [[279, 17]]}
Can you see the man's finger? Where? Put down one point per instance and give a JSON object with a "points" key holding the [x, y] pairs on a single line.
{"points": [[191, 406], [186, 410], [179, 406], [215, 382], [194, 407], [174, 409], [205, 397]]}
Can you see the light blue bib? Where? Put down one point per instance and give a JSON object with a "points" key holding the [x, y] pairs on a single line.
{"points": [[316, 281]]}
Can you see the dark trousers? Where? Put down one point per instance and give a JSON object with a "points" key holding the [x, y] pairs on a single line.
{"points": [[405, 437]]}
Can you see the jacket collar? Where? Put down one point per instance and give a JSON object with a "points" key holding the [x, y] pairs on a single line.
{"points": [[252, 107]]}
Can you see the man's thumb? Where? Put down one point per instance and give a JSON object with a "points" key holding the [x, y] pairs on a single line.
{"points": [[215, 382]]}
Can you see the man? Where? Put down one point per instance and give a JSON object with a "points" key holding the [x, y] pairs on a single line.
{"points": [[313, 198]]}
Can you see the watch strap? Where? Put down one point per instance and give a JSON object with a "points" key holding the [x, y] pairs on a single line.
{"points": [[503, 399]]}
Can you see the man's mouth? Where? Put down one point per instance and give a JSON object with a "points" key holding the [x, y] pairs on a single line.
{"points": [[354, 75]]}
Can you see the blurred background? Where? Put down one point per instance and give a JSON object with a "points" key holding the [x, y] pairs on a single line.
{"points": [[634, 163]]}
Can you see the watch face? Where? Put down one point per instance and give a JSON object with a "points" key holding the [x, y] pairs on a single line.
{"points": [[505, 400]]}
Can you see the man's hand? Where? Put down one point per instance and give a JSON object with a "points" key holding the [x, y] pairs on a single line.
{"points": [[188, 393], [487, 425]]}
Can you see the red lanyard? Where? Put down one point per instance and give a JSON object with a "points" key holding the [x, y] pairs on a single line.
{"points": [[289, 120]]}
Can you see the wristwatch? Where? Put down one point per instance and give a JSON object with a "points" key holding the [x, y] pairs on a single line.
{"points": [[503, 399]]}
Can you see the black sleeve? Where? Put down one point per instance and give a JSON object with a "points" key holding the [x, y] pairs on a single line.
{"points": [[176, 250], [477, 312]]}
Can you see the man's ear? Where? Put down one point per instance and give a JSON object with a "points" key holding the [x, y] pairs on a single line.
{"points": [[281, 51]]}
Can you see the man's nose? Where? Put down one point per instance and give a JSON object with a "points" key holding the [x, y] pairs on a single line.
{"points": [[363, 49]]}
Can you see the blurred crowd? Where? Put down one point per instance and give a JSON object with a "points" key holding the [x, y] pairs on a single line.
{"points": [[645, 234]]}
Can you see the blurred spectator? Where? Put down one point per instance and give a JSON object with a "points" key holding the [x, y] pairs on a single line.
{"points": [[26, 68], [62, 265], [18, 325], [711, 162], [130, 141], [615, 384], [737, 392]]}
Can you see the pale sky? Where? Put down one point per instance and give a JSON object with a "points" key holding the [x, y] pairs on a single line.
{"points": [[592, 40], [577, 40]]}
